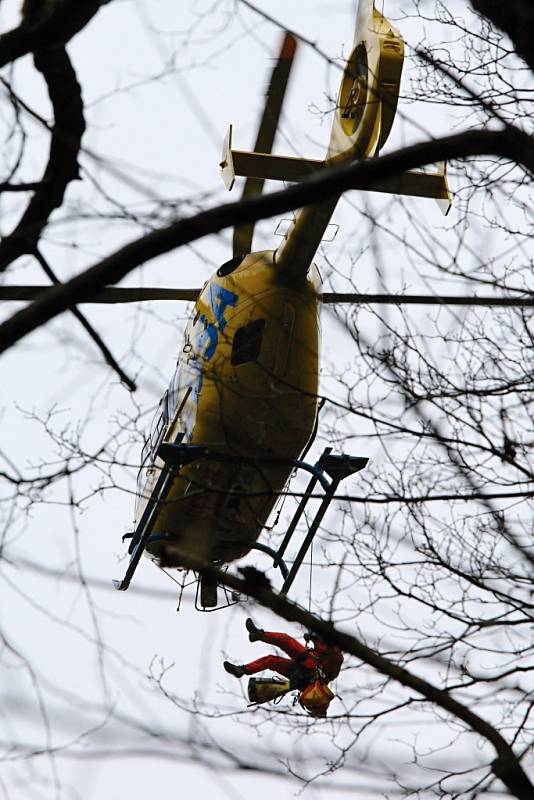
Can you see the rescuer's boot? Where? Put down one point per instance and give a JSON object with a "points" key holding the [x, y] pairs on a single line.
{"points": [[254, 633], [238, 670]]}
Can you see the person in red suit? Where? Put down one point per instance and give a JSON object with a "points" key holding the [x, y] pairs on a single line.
{"points": [[302, 666]]}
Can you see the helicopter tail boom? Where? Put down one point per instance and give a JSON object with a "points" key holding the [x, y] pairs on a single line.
{"points": [[364, 114]]}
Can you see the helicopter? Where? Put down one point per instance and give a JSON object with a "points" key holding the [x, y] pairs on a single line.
{"points": [[241, 410]]}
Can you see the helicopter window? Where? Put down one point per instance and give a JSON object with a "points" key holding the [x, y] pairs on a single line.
{"points": [[145, 451], [174, 387], [229, 266], [158, 425], [141, 480], [157, 433], [247, 342]]}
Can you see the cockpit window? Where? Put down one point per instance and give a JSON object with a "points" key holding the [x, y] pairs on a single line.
{"points": [[247, 342]]}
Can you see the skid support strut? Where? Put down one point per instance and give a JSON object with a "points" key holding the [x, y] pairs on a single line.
{"points": [[328, 471], [144, 529], [337, 468]]}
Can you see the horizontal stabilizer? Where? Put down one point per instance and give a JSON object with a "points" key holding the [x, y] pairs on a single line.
{"points": [[263, 165], [276, 168], [413, 183]]}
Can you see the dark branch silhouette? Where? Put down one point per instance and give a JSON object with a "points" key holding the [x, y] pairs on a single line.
{"points": [[510, 144], [39, 31], [112, 294], [62, 167]]}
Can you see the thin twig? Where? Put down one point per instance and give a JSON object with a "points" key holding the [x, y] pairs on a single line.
{"points": [[108, 356]]}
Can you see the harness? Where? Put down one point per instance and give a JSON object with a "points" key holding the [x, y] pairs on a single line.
{"points": [[302, 676]]}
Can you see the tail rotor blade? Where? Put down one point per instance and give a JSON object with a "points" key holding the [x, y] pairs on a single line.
{"points": [[266, 133]]}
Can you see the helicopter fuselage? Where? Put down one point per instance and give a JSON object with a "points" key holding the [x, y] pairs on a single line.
{"points": [[245, 385]]}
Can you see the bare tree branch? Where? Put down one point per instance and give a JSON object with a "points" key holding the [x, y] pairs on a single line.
{"points": [[65, 21], [62, 167], [516, 18], [131, 294], [97, 339], [20, 187], [509, 144], [506, 766]]}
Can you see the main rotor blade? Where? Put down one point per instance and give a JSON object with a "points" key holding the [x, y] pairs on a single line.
{"points": [[276, 91]]}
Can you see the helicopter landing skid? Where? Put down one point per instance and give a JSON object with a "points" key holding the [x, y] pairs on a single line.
{"points": [[329, 471]]}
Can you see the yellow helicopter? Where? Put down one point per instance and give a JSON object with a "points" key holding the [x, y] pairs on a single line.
{"points": [[241, 407]]}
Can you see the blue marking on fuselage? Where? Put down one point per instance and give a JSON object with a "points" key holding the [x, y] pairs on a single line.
{"points": [[220, 299], [205, 335], [205, 343]]}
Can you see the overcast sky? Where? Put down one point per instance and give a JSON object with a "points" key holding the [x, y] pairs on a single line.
{"points": [[161, 82]]}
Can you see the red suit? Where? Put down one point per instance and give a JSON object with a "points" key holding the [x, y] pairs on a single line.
{"points": [[302, 663]]}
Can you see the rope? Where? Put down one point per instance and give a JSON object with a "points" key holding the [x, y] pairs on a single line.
{"points": [[310, 581]]}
